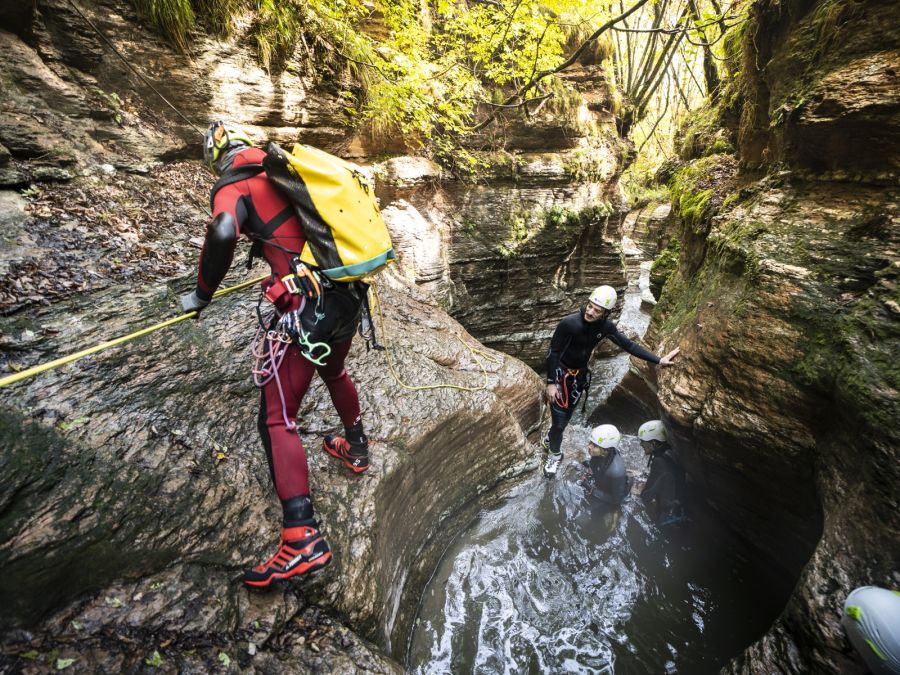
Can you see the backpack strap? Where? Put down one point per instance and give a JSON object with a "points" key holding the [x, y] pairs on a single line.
{"points": [[234, 175], [367, 321]]}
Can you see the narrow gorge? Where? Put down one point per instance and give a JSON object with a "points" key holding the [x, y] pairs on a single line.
{"points": [[135, 490]]}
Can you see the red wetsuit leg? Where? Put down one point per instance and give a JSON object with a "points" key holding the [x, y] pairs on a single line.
{"points": [[340, 386], [287, 458]]}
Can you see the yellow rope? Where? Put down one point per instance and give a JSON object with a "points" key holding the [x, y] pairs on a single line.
{"points": [[443, 385], [37, 370]]}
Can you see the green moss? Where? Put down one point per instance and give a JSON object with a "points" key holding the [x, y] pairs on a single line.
{"points": [[587, 165], [689, 194], [641, 190], [720, 146], [560, 222], [733, 47], [692, 206], [665, 264], [851, 357]]}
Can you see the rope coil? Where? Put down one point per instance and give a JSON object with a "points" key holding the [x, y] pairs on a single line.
{"points": [[443, 385]]}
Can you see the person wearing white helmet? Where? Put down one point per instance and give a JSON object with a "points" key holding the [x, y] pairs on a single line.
{"points": [[872, 621], [568, 377], [663, 493], [605, 480]]}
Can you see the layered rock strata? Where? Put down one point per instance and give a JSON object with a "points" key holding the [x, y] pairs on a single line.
{"points": [[785, 304]]}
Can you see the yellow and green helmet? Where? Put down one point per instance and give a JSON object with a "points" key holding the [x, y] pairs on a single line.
{"points": [[219, 136]]}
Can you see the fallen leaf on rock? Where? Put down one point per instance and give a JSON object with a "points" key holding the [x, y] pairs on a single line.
{"points": [[62, 664], [224, 659]]}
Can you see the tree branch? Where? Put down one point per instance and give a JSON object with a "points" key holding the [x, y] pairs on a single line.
{"points": [[524, 89]]}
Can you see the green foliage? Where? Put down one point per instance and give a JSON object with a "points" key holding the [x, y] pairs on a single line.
{"points": [[154, 660], [419, 70], [173, 18], [217, 14], [276, 31]]}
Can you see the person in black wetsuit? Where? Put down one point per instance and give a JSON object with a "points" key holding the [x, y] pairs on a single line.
{"points": [[664, 491], [605, 481], [568, 377]]}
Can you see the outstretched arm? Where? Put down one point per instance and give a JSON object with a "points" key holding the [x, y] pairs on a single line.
{"points": [[635, 349], [631, 347], [218, 250], [217, 254]]}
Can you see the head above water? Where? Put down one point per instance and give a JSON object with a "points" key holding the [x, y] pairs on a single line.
{"points": [[654, 430], [221, 141], [600, 303], [602, 438]]}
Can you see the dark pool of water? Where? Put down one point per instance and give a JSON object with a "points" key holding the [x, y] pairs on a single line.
{"points": [[545, 583]]}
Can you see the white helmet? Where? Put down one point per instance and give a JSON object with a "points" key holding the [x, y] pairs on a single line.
{"points": [[652, 431], [606, 436], [604, 296]]}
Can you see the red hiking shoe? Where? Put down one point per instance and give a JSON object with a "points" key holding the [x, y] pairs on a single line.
{"points": [[303, 550], [354, 458]]}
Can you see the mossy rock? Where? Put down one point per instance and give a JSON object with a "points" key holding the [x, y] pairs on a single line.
{"points": [[664, 266]]}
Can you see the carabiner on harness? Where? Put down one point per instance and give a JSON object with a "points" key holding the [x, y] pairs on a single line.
{"points": [[291, 324]]}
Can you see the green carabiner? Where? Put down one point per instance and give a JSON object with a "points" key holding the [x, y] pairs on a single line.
{"points": [[311, 347]]}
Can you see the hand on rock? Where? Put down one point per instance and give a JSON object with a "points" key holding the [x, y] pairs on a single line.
{"points": [[669, 359]]}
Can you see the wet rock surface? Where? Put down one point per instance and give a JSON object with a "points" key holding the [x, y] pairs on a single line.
{"points": [[784, 302], [135, 489], [537, 239]]}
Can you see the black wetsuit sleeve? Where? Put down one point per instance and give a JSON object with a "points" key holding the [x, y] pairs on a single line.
{"points": [[217, 254], [632, 348], [222, 235], [558, 344], [654, 482]]}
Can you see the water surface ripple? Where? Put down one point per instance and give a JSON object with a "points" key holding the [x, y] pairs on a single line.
{"points": [[545, 582]]}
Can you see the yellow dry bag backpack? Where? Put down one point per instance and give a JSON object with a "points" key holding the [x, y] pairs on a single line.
{"points": [[346, 237]]}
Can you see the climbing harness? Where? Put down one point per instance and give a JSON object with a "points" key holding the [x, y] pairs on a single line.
{"points": [[302, 282], [291, 324], [50, 365], [569, 391], [444, 385], [367, 325]]}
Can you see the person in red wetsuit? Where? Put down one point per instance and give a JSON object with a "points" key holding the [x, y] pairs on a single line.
{"points": [[245, 202]]}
